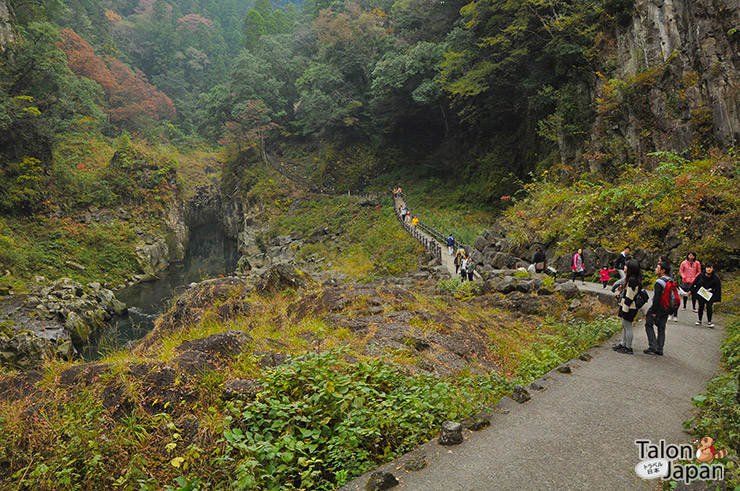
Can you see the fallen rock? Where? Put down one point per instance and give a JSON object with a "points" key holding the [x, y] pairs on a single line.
{"points": [[194, 362], [568, 289], [223, 344], [416, 464], [476, 423], [535, 386], [23, 350], [451, 433], [380, 480], [280, 277], [520, 394], [74, 265], [245, 390]]}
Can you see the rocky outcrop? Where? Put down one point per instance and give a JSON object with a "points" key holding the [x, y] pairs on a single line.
{"points": [[6, 29], [282, 276], [204, 207], [380, 317], [50, 321], [153, 256], [681, 61], [493, 252], [82, 310], [230, 293], [22, 350], [281, 249], [178, 232]]}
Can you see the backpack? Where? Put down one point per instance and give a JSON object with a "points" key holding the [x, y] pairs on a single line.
{"points": [[641, 298], [670, 300]]}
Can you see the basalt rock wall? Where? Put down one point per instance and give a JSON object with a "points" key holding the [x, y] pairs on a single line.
{"points": [[679, 65], [6, 29]]}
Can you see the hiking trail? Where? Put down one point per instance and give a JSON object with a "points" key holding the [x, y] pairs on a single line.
{"points": [[580, 431]]}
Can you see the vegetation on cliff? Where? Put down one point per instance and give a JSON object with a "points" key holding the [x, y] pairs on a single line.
{"points": [[666, 202]]}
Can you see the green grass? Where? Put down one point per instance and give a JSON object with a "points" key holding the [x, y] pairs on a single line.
{"points": [[371, 243], [40, 246], [438, 206]]}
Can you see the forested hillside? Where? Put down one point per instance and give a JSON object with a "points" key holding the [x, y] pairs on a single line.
{"points": [[490, 91]]}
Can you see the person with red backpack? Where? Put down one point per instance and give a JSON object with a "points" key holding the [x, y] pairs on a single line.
{"points": [[665, 300]]}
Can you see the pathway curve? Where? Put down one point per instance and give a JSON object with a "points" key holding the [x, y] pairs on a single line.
{"points": [[447, 260], [580, 432]]}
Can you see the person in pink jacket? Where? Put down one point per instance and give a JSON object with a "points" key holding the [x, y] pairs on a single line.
{"points": [[604, 275], [689, 269]]}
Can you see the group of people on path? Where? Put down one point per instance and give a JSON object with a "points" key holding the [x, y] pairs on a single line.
{"points": [[406, 215], [702, 285], [464, 264]]}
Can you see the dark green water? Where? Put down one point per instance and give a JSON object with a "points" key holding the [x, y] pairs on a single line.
{"points": [[210, 254]]}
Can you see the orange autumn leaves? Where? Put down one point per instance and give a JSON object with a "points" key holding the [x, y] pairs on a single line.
{"points": [[130, 100]]}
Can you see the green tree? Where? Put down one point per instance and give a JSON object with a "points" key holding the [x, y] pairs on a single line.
{"points": [[405, 95], [328, 106], [254, 27]]}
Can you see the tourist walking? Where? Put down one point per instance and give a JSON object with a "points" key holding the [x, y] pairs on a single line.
{"points": [[450, 244], [619, 265], [674, 314], [578, 268], [464, 267], [690, 268], [470, 268], [457, 261], [707, 289], [604, 275], [539, 260], [414, 221], [657, 315], [628, 304]]}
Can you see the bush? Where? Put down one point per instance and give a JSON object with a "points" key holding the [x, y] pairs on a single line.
{"points": [[718, 411], [320, 420], [461, 289]]}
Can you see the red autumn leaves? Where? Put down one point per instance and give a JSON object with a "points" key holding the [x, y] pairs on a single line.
{"points": [[130, 99]]}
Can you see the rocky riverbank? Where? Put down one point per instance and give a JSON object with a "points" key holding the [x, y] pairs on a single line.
{"points": [[51, 320]]}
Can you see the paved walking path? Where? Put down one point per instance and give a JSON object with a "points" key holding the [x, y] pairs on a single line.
{"points": [[447, 260], [580, 432]]}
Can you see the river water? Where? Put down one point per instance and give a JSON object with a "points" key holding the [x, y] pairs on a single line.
{"points": [[210, 254]]}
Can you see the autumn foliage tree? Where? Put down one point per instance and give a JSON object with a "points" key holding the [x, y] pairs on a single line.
{"points": [[130, 100], [250, 127]]}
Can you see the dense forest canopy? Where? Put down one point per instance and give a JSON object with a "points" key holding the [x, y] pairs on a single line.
{"points": [[490, 91]]}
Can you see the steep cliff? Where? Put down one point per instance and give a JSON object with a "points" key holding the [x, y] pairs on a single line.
{"points": [[6, 29], [671, 81]]}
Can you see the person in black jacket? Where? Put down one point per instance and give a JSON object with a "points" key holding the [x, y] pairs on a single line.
{"points": [[619, 264], [656, 314], [708, 280], [539, 260]]}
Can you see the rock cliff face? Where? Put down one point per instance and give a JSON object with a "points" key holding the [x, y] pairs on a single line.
{"points": [[6, 30], [678, 67]]}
